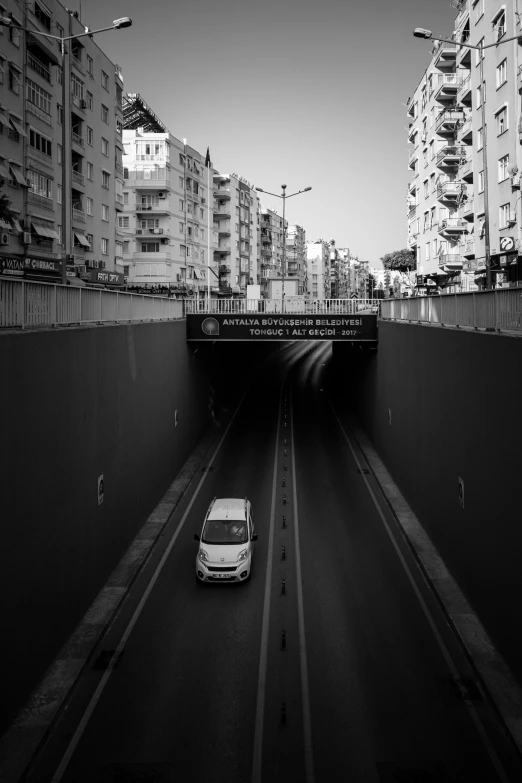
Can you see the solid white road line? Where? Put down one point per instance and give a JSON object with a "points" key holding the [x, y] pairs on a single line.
{"points": [[305, 692], [440, 641], [261, 683], [105, 678]]}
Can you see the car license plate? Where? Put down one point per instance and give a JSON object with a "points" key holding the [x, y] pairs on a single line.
{"points": [[221, 576]]}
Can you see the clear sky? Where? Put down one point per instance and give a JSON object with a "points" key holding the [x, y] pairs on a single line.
{"points": [[301, 92]]}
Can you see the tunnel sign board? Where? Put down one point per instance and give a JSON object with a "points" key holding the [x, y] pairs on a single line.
{"points": [[288, 326]]}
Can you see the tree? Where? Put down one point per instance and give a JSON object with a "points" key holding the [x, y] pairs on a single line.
{"points": [[6, 213], [400, 260]]}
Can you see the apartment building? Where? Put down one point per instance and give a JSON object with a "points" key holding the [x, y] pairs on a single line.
{"points": [[296, 257], [271, 241], [235, 216], [65, 196], [169, 238], [318, 269], [456, 155]]}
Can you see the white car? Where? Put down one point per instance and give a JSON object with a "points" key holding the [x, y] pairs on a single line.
{"points": [[226, 543]]}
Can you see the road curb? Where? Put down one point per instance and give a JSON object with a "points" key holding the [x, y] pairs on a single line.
{"points": [[490, 667], [29, 730]]}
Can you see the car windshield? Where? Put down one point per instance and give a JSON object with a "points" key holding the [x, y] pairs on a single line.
{"points": [[225, 531]]}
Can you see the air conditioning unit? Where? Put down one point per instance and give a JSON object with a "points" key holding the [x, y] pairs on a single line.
{"points": [[139, 231], [515, 181], [512, 218], [26, 239], [203, 201], [4, 239], [83, 104], [178, 277], [161, 194], [28, 181], [103, 264], [80, 268], [159, 231]]}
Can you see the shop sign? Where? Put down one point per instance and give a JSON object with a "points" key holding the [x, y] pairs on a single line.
{"points": [[11, 266], [104, 278], [481, 263], [44, 265], [507, 243]]}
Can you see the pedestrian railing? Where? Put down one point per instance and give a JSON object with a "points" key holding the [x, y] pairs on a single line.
{"points": [[499, 310], [291, 305], [25, 304]]}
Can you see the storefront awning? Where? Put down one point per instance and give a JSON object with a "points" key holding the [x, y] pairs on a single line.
{"points": [[16, 171], [17, 126], [82, 239]]}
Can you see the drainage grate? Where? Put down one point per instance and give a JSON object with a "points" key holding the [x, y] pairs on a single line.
{"points": [[106, 660], [138, 772], [396, 772]]}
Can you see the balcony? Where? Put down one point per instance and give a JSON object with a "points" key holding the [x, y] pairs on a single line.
{"points": [[447, 121], [412, 132], [221, 212], [79, 215], [445, 86], [463, 59], [77, 139], [157, 207], [449, 191], [80, 103], [452, 262], [466, 170], [412, 212], [446, 55], [118, 167], [464, 92], [222, 193], [466, 210], [411, 108], [453, 226], [450, 156], [414, 156], [77, 64], [465, 134], [223, 249], [38, 67], [78, 178]]}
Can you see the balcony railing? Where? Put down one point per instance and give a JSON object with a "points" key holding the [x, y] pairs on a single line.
{"points": [[448, 117], [79, 215], [38, 67], [454, 225], [451, 260], [445, 85], [451, 155], [78, 178], [78, 139], [449, 189]]}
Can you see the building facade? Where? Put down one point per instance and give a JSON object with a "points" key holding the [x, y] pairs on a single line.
{"points": [[466, 171], [235, 216], [271, 243], [295, 255], [318, 269], [61, 150]]}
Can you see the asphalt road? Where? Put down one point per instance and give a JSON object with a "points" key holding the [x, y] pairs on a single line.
{"points": [[346, 671]]}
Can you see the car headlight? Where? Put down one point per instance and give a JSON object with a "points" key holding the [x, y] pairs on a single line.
{"points": [[202, 555], [243, 555]]}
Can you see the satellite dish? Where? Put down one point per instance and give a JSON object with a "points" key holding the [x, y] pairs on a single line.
{"points": [[512, 169]]}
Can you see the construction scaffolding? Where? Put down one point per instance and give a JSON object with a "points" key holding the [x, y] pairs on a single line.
{"points": [[137, 114]]}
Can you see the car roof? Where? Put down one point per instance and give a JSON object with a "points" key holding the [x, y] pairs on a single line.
{"points": [[228, 508]]}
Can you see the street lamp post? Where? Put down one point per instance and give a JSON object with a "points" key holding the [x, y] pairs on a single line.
{"points": [[117, 24], [420, 32], [284, 197]]}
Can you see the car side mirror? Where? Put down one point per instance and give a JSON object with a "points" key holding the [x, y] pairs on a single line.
{"points": [[196, 536], [254, 536]]}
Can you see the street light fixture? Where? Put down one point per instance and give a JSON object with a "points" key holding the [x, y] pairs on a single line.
{"points": [[118, 24], [284, 196], [421, 32]]}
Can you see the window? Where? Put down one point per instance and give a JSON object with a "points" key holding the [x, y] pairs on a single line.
{"points": [[89, 205], [105, 81], [123, 221], [501, 73], [104, 246], [202, 233], [425, 156], [432, 150], [126, 197], [428, 245], [181, 182], [202, 214], [106, 180], [14, 34], [126, 246], [481, 182], [119, 250], [499, 26], [501, 120], [90, 240], [90, 171], [3, 12], [432, 188], [40, 143], [90, 65], [433, 217], [434, 244], [59, 110], [3, 64], [105, 212], [59, 30], [59, 154], [237, 228], [89, 98], [504, 216], [90, 136], [105, 114], [105, 147], [76, 86], [480, 140], [181, 204], [426, 221], [478, 10], [38, 97], [15, 78], [478, 53], [43, 18], [40, 185], [59, 192], [426, 186], [150, 247], [503, 168]]}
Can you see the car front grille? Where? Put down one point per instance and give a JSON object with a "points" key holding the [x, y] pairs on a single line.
{"points": [[222, 568]]}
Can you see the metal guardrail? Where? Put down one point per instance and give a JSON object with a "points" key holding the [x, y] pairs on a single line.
{"points": [[499, 310], [291, 305], [26, 304]]}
